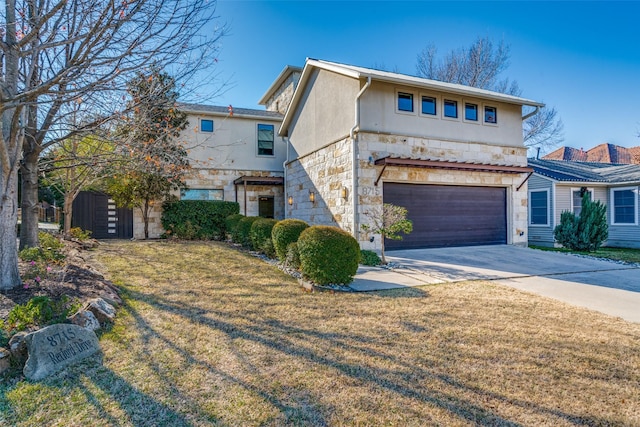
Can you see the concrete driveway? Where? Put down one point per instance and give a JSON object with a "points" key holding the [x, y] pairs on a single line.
{"points": [[599, 285]]}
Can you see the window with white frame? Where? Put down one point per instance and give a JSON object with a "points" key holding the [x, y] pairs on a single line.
{"points": [[539, 208], [265, 140], [405, 102], [206, 125], [451, 108], [576, 199], [201, 194], [624, 206], [471, 112]]}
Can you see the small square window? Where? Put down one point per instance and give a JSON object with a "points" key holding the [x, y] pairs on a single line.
{"points": [[405, 102], [490, 115], [471, 112], [451, 108], [625, 205], [206, 125], [429, 105]]}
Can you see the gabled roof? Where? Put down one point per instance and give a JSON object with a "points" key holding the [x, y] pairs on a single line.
{"points": [[396, 78], [566, 171], [216, 110], [284, 75], [603, 153]]}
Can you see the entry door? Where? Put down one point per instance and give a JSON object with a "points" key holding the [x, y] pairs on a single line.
{"points": [[266, 206]]}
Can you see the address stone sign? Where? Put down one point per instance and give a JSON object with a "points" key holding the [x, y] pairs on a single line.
{"points": [[56, 347]]}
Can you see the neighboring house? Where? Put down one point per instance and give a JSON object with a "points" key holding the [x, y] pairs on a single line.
{"points": [[603, 153], [235, 155], [452, 155], [556, 186]]}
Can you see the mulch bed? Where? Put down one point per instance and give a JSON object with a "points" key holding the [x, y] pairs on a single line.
{"points": [[76, 278]]}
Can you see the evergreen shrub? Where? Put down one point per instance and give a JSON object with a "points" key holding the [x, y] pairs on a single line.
{"points": [[369, 258], [293, 256], [197, 219], [243, 230], [586, 232], [284, 233], [231, 222], [328, 255], [260, 235]]}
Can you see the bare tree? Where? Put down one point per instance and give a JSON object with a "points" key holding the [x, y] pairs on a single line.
{"points": [[56, 53], [481, 65]]}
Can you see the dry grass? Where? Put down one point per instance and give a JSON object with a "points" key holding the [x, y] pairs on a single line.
{"points": [[211, 336]]}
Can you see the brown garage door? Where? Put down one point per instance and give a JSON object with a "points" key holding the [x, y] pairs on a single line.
{"points": [[445, 215]]}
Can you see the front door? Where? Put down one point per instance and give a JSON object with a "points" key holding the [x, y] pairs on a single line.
{"points": [[265, 206]]}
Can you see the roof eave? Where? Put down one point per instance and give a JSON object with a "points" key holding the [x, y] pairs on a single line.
{"points": [[284, 74]]}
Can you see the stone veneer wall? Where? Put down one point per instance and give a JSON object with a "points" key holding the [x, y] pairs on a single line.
{"points": [[376, 146], [218, 179], [325, 172], [281, 99]]}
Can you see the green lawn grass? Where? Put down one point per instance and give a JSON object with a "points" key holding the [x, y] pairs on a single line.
{"points": [[617, 254], [212, 336]]}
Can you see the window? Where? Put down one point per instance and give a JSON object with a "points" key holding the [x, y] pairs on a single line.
{"points": [[206, 125], [490, 115], [405, 102], [625, 205], [201, 194], [471, 112], [451, 108], [539, 207], [576, 199], [429, 105], [265, 140]]}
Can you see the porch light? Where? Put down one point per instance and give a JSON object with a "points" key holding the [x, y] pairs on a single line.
{"points": [[343, 193], [290, 200], [312, 196]]}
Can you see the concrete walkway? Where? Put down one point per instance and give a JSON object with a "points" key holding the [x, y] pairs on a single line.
{"points": [[604, 286]]}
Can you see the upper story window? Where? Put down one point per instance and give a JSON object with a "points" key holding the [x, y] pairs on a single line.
{"points": [[265, 140], [405, 102], [451, 108], [625, 206], [539, 208], [471, 112], [576, 199], [490, 115], [206, 125], [429, 105]]}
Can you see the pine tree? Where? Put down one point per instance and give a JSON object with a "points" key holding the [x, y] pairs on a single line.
{"points": [[586, 232]]}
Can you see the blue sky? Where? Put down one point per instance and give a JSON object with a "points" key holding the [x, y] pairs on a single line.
{"points": [[583, 58]]}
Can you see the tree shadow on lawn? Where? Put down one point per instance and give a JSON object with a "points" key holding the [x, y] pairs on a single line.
{"points": [[404, 381]]}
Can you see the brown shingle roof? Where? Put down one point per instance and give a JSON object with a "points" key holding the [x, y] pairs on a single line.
{"points": [[603, 153]]}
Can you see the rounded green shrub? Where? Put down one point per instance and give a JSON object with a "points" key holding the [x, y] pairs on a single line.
{"points": [[293, 256], [328, 255], [243, 230], [260, 235], [231, 223], [369, 258], [286, 232]]}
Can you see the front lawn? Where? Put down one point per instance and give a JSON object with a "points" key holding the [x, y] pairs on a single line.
{"points": [[617, 254], [212, 336]]}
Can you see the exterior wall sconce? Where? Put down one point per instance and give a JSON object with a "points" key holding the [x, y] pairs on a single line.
{"points": [[312, 197], [290, 200], [344, 193]]}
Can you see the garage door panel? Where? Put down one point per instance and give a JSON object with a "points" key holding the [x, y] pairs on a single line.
{"points": [[449, 215]]}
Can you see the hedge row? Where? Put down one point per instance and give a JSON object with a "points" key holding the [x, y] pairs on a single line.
{"points": [[197, 219]]}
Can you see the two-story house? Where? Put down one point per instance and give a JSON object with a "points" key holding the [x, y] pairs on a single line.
{"points": [[452, 155], [236, 155]]}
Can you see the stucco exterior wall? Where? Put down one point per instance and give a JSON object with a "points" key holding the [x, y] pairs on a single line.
{"points": [[374, 146], [379, 114], [325, 172], [325, 113]]}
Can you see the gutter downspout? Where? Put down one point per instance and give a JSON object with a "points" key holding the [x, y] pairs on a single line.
{"points": [[285, 192], [354, 160]]}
